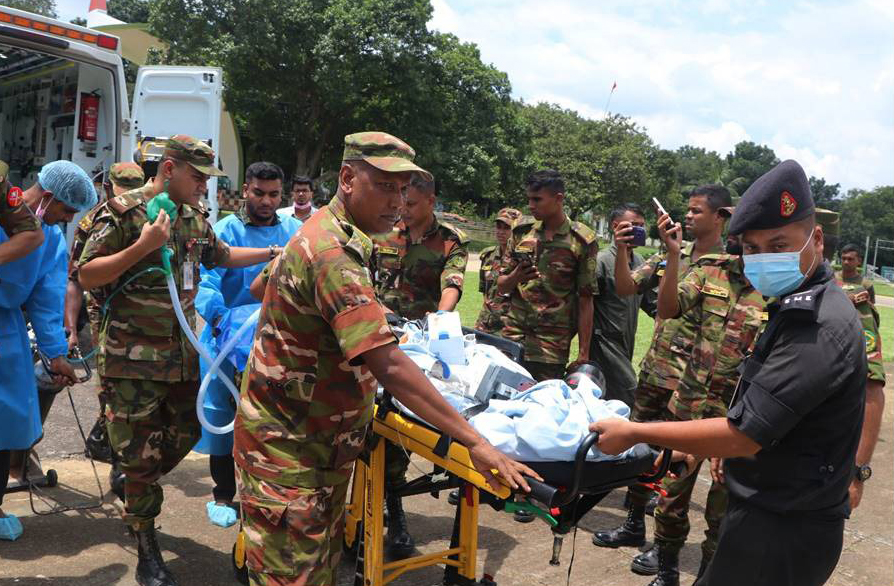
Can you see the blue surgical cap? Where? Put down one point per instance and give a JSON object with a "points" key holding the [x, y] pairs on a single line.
{"points": [[68, 184]]}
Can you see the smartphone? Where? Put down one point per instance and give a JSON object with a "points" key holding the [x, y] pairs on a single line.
{"points": [[659, 209], [639, 236]]}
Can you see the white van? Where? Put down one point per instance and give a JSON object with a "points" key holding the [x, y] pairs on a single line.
{"points": [[63, 96]]}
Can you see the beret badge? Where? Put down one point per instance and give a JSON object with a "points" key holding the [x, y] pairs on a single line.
{"points": [[787, 204]]}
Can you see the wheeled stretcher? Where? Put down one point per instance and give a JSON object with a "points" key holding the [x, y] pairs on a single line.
{"points": [[568, 492]]}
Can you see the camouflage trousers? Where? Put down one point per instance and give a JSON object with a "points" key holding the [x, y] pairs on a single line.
{"points": [[152, 426], [544, 371], [672, 513], [293, 535], [649, 404]]}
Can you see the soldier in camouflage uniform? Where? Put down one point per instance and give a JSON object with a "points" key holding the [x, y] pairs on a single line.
{"points": [[726, 313], [862, 294], [321, 344], [421, 263], [123, 177], [16, 219], [665, 362], [490, 319], [549, 275], [149, 369], [420, 267]]}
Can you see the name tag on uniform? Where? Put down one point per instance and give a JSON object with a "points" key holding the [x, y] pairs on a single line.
{"points": [[765, 316], [388, 250], [710, 289], [187, 276], [525, 249]]}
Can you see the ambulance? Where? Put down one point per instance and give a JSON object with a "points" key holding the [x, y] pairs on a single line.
{"points": [[63, 95]]}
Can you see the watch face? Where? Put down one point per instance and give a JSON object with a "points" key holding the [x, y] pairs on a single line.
{"points": [[863, 473]]}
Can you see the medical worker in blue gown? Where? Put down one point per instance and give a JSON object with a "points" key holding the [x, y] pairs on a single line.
{"points": [[224, 302], [37, 283]]}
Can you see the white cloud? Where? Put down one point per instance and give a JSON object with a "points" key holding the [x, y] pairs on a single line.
{"points": [[811, 79]]}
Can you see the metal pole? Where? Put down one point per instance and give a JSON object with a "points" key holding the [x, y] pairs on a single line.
{"points": [[865, 255], [875, 256]]}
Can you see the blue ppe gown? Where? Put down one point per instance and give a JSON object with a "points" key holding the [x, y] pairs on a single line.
{"points": [[37, 283], [221, 290]]}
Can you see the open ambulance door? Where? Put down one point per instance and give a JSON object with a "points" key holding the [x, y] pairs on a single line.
{"points": [[169, 100]]}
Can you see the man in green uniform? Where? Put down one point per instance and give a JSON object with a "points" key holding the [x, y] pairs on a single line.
{"points": [[490, 319], [668, 355], [549, 277], [616, 316], [16, 219], [123, 177], [321, 345], [420, 269], [862, 294], [726, 313], [149, 369], [421, 263]]}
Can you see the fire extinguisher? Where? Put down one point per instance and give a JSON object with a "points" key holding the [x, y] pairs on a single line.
{"points": [[88, 117]]}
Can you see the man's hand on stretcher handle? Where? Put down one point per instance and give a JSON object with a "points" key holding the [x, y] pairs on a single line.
{"points": [[403, 379]]}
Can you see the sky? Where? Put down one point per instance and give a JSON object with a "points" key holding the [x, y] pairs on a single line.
{"points": [[812, 80]]}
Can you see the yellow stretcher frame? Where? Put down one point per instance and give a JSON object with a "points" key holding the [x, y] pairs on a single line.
{"points": [[368, 496]]}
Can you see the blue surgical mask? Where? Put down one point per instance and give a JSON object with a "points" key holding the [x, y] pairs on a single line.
{"points": [[774, 274]]}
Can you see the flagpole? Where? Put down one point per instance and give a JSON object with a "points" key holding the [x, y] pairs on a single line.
{"points": [[608, 101]]}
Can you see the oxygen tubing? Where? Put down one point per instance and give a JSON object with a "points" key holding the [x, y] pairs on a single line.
{"points": [[215, 363]]}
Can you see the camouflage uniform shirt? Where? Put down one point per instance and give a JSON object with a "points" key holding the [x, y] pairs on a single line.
{"points": [[726, 313], [411, 275], [81, 233], [869, 321], [666, 359], [140, 337], [15, 216], [490, 319], [543, 312], [307, 396]]}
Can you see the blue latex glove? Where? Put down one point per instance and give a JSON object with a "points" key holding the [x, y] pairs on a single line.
{"points": [[221, 515], [10, 528]]}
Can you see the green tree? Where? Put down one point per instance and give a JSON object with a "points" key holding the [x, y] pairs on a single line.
{"points": [[298, 83], [79, 21], [697, 166], [129, 10], [869, 213], [745, 164], [825, 195], [42, 7], [604, 162]]}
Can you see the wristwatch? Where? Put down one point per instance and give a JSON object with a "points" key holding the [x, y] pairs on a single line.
{"points": [[863, 473], [273, 251]]}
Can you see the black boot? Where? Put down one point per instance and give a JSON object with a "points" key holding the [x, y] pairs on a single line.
{"points": [[668, 567], [702, 567], [646, 563], [151, 569], [631, 533], [398, 543], [116, 481]]}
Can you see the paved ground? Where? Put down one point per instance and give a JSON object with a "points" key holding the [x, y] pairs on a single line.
{"points": [[91, 548]]}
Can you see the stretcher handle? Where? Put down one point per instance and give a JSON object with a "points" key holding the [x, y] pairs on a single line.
{"points": [[580, 459], [542, 492], [661, 472]]}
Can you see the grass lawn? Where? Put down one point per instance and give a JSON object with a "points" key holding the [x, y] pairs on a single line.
{"points": [[471, 302], [884, 289]]}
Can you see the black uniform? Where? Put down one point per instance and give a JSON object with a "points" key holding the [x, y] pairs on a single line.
{"points": [[801, 397]]}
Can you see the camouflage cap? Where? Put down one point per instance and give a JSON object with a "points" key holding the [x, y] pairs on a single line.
{"points": [[382, 151], [128, 175], [508, 216], [199, 155]]}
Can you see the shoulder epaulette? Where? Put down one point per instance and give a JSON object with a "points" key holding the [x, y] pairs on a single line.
{"points": [[806, 301], [716, 258], [486, 251], [523, 223], [124, 202], [583, 232], [460, 235]]}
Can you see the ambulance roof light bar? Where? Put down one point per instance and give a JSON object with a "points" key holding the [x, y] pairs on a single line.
{"points": [[98, 39]]}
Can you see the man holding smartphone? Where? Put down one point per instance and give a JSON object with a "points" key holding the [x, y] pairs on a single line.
{"points": [[616, 316]]}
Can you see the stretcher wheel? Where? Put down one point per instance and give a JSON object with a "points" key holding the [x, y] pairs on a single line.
{"points": [[52, 479]]}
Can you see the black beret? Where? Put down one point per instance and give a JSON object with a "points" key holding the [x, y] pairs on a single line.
{"points": [[778, 197]]}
